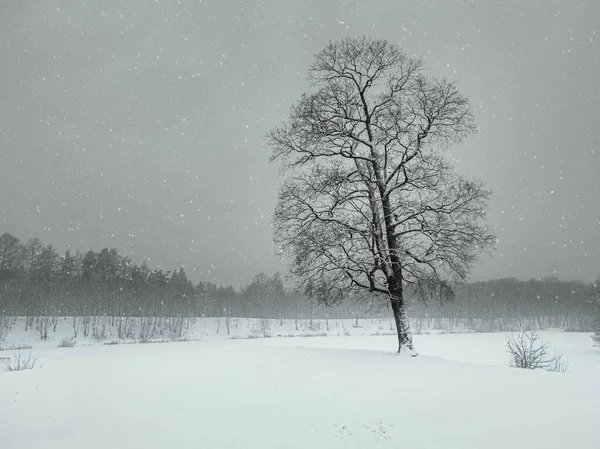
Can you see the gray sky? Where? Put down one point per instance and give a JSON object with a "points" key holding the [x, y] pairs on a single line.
{"points": [[138, 124]]}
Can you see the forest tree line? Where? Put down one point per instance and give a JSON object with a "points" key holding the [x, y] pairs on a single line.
{"points": [[35, 281]]}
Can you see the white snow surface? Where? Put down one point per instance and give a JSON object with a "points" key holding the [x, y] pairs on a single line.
{"points": [[320, 392]]}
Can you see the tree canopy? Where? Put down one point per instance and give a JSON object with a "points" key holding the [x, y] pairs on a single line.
{"points": [[369, 202]]}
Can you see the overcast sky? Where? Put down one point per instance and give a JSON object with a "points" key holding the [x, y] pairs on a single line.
{"points": [[138, 124]]}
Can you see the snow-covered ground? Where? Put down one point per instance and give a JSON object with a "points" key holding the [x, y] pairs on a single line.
{"points": [[320, 392]]}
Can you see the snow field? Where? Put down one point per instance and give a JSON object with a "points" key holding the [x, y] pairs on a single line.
{"points": [[334, 392]]}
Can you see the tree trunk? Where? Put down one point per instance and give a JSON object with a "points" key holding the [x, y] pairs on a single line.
{"points": [[405, 342]]}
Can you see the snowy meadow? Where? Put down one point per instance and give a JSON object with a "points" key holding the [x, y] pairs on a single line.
{"points": [[345, 390]]}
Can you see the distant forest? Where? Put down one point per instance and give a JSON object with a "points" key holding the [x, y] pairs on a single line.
{"points": [[36, 281]]}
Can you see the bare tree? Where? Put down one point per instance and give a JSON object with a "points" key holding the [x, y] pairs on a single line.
{"points": [[369, 203], [5, 325]]}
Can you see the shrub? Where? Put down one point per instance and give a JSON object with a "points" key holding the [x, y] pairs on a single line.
{"points": [[529, 351], [67, 342], [20, 362]]}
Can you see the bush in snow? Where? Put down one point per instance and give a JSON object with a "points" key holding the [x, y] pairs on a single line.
{"points": [[20, 362], [67, 342], [527, 350]]}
